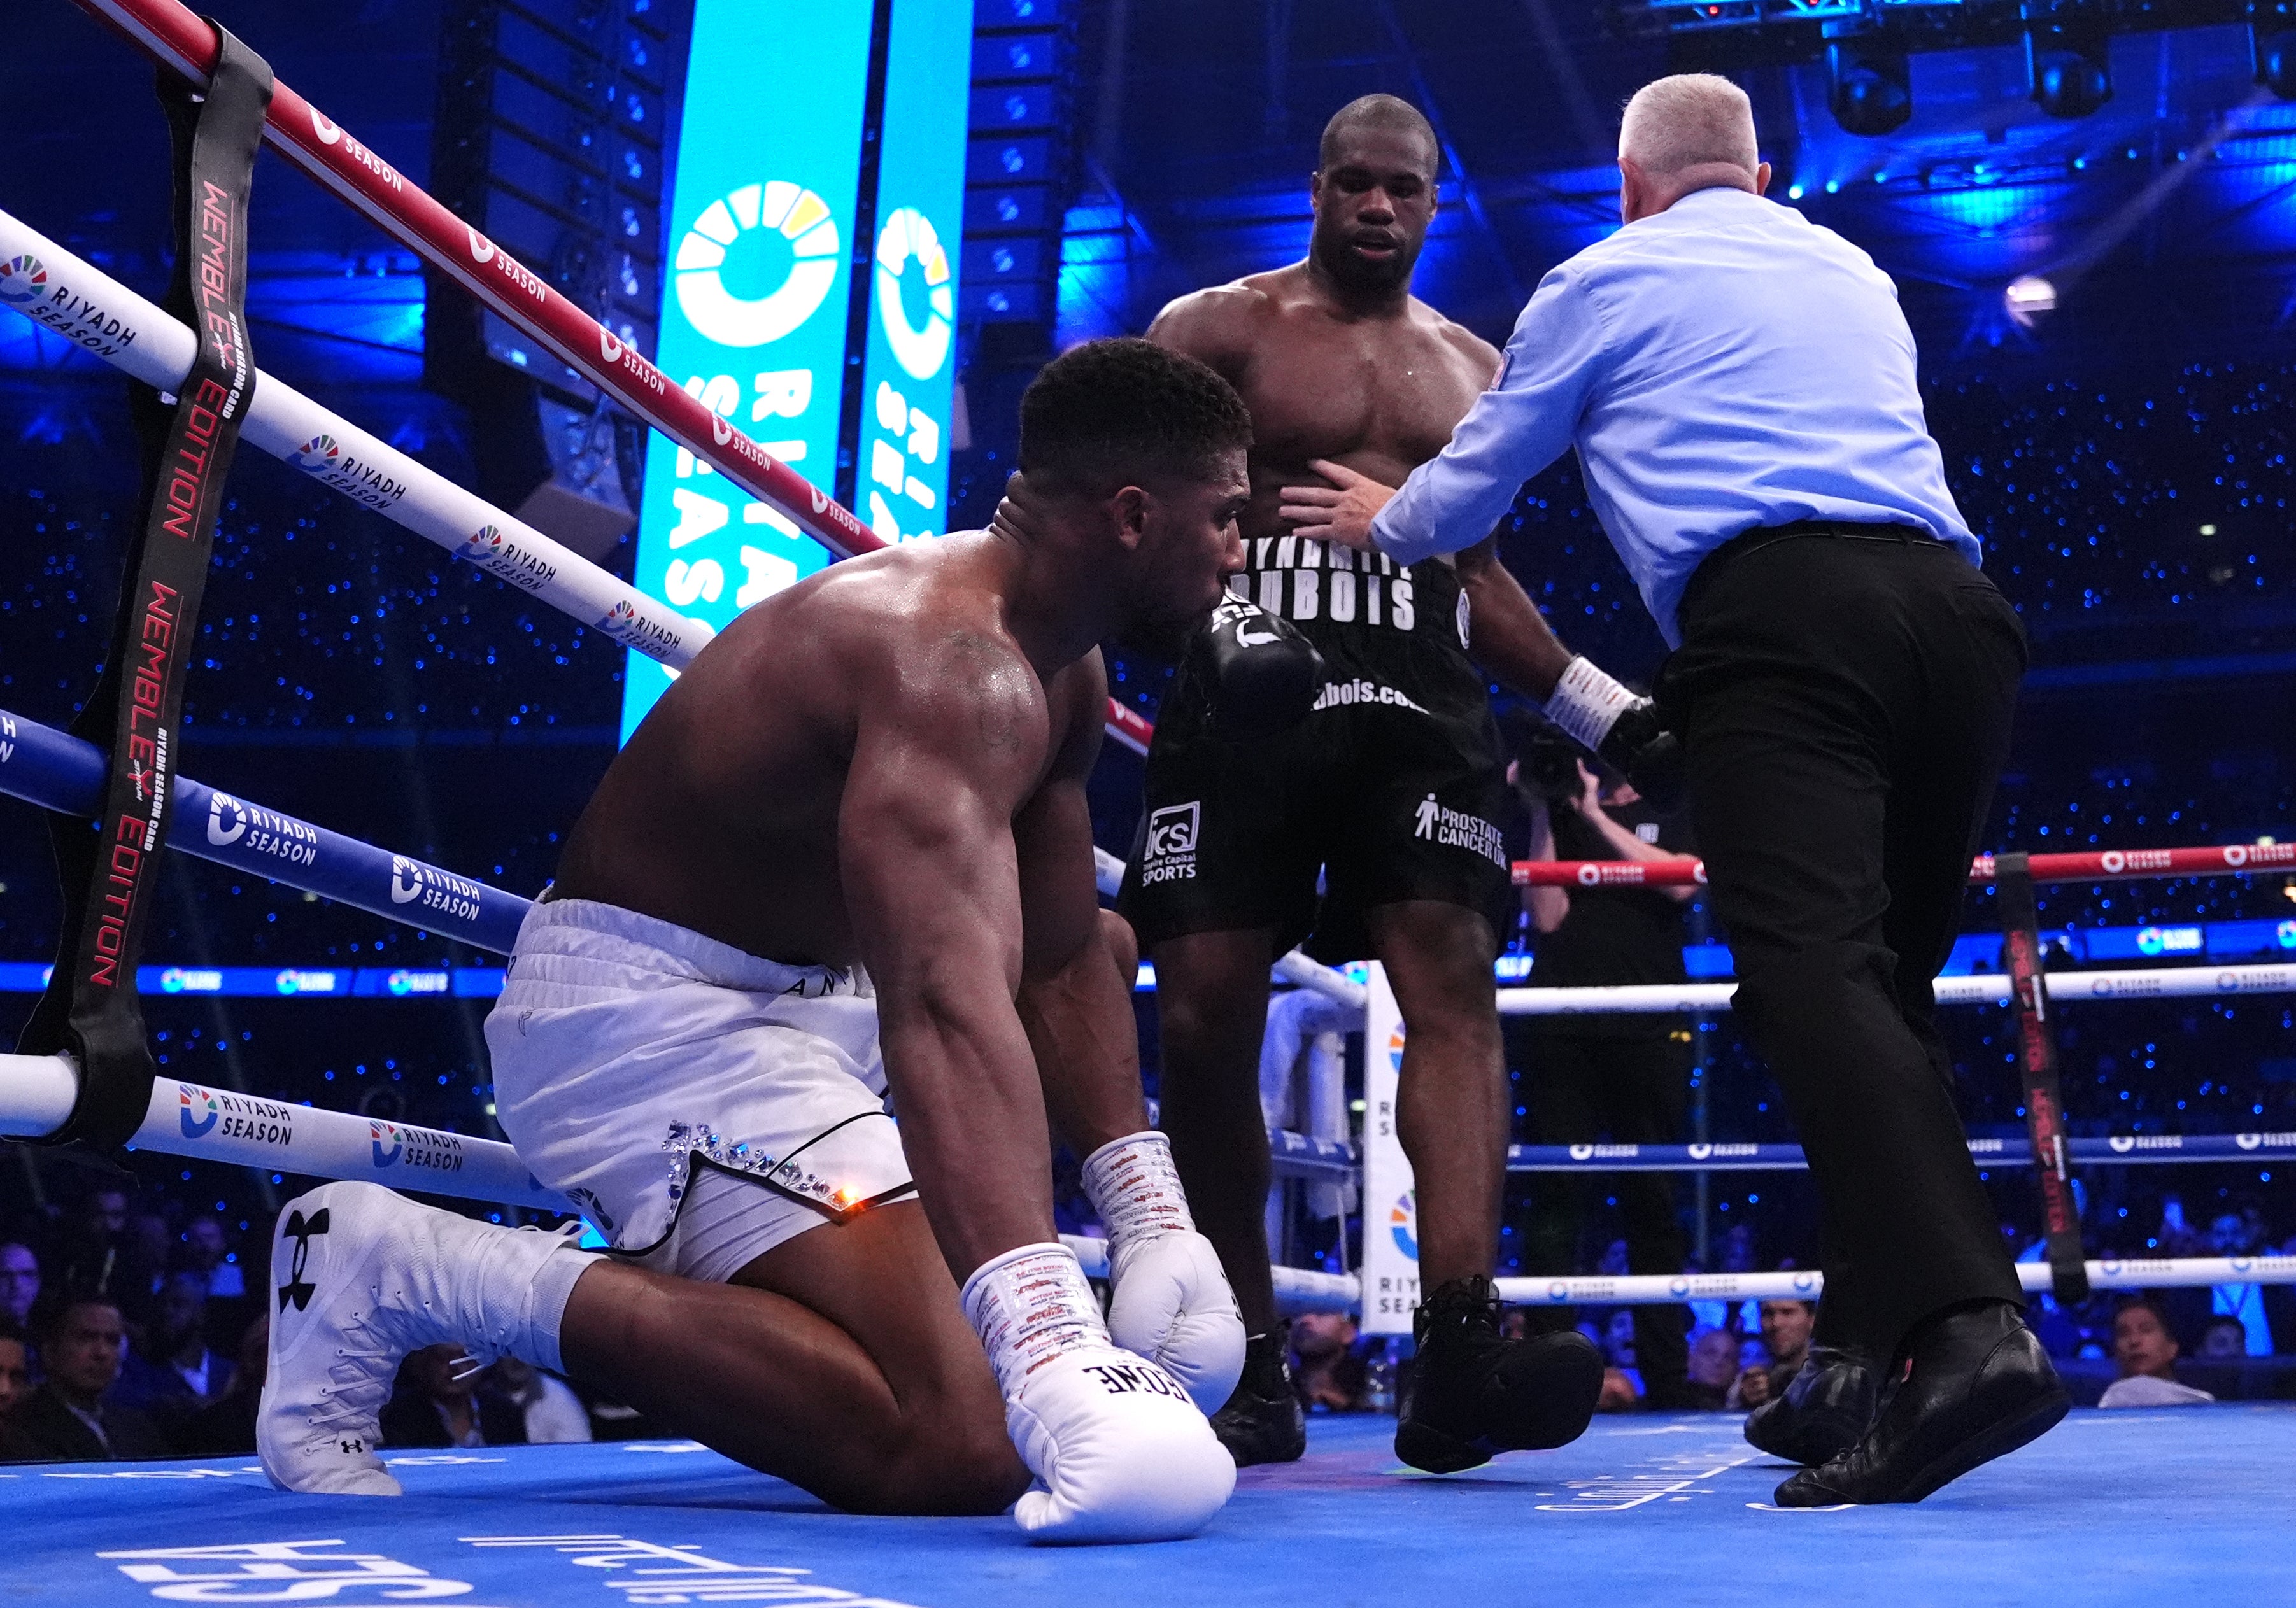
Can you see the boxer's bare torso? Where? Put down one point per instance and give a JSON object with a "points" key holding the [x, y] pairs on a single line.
{"points": [[728, 813], [1379, 392]]}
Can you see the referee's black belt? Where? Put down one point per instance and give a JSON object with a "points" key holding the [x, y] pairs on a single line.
{"points": [[1767, 535]]}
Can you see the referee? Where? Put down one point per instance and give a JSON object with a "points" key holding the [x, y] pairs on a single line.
{"points": [[1739, 385]]}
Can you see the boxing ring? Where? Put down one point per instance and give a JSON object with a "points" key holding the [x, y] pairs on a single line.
{"points": [[2123, 1506]]}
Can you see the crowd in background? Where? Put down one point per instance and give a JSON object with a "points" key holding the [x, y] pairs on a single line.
{"points": [[133, 1326]]}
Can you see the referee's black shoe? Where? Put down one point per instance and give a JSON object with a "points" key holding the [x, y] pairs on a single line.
{"points": [[1977, 1386], [1824, 1410], [1474, 1394], [1263, 1422]]}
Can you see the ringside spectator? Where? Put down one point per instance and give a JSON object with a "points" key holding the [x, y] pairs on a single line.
{"points": [[2225, 1340], [94, 1247], [2146, 1352], [438, 1402], [225, 1426], [15, 1368], [70, 1417], [171, 1373], [20, 1281], [206, 1251], [1786, 1328], [552, 1415], [1625, 1079], [1712, 1370], [1329, 1374]]}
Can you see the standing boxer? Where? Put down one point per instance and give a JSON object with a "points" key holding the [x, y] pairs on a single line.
{"points": [[1741, 387], [1351, 376]]}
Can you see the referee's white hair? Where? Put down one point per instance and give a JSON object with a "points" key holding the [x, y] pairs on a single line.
{"points": [[1692, 119]]}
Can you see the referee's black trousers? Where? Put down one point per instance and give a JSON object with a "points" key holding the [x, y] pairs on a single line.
{"points": [[1844, 703]]}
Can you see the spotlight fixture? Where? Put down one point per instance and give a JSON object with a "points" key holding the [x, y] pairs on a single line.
{"points": [[1871, 91], [2272, 36], [2066, 57], [2028, 298]]}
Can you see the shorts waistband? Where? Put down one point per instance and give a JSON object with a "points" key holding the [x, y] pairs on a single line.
{"points": [[1765, 536], [589, 929]]}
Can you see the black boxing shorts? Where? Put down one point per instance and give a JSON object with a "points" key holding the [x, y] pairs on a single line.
{"points": [[1378, 795]]}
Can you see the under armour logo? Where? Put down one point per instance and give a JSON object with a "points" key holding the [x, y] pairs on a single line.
{"points": [[351, 1444], [300, 1229]]}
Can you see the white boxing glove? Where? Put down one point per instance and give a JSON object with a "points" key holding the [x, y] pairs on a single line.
{"points": [[1120, 1451], [1172, 1302]]}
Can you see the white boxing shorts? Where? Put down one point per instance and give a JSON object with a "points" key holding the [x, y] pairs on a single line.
{"points": [[700, 1104]]}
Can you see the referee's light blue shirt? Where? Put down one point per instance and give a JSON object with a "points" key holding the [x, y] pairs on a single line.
{"points": [[1724, 364]]}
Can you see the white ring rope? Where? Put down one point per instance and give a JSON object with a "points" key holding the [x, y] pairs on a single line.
{"points": [[2064, 988], [191, 1119], [207, 1124], [97, 314]]}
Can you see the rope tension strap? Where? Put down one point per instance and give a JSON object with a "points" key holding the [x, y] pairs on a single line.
{"points": [[90, 1009], [2037, 1055]]}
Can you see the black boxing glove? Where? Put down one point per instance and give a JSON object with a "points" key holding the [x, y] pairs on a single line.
{"points": [[1648, 755], [1262, 673], [1624, 729]]}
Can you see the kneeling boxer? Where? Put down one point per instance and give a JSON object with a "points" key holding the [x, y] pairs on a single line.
{"points": [[876, 779]]}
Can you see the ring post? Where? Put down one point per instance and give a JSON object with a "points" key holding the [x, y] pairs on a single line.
{"points": [[1391, 1217]]}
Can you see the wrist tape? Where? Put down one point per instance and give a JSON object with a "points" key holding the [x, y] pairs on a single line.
{"points": [[1585, 702], [1134, 1188], [1032, 1307]]}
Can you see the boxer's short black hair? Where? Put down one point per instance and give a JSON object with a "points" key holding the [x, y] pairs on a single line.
{"points": [[1123, 411], [1381, 112]]}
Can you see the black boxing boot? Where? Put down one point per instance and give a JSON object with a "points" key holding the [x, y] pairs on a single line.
{"points": [[1473, 1394], [1979, 1387], [1263, 1420], [1824, 1410], [1261, 673]]}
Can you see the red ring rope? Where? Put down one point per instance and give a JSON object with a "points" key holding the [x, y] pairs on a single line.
{"points": [[2095, 865]]}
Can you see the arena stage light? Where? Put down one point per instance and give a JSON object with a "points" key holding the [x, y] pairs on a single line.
{"points": [[2273, 40], [2066, 57], [1871, 89], [2028, 297]]}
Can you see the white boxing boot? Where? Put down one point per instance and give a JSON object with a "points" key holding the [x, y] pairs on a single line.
{"points": [[362, 1277]]}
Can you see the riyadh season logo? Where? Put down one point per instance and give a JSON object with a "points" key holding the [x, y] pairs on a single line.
{"points": [[198, 1110], [1395, 1048], [22, 280], [317, 455], [378, 1133], [405, 879], [1403, 1223], [907, 239], [802, 219]]}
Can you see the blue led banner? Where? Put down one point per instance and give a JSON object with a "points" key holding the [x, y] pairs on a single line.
{"points": [[754, 310], [909, 359]]}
